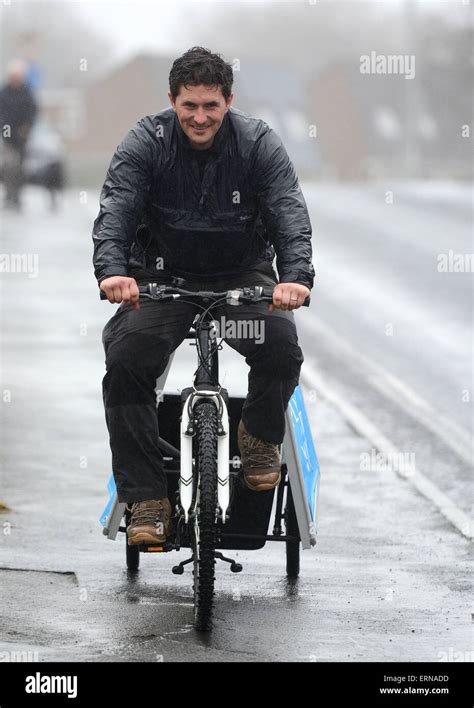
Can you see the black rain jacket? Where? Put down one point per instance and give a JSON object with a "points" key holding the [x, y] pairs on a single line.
{"points": [[156, 217], [18, 109]]}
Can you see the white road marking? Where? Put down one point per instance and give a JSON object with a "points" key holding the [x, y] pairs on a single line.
{"points": [[399, 392], [312, 379]]}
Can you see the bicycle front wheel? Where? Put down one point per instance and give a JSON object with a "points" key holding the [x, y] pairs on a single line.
{"points": [[204, 526]]}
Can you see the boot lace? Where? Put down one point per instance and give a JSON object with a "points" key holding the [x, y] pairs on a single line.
{"points": [[144, 514], [258, 452]]}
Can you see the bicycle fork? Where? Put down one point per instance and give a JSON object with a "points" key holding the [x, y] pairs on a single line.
{"points": [[186, 458]]}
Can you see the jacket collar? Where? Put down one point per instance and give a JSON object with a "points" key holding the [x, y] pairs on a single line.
{"points": [[220, 137]]}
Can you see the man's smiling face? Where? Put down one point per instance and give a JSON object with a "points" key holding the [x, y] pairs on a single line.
{"points": [[200, 110]]}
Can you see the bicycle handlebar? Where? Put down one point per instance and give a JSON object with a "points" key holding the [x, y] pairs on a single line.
{"points": [[164, 293]]}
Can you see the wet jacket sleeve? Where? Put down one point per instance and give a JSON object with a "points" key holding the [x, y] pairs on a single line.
{"points": [[283, 209], [122, 203]]}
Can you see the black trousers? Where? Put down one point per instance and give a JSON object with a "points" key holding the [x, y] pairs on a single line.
{"points": [[13, 159], [137, 347]]}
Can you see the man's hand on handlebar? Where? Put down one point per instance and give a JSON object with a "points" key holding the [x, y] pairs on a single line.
{"points": [[284, 296], [288, 296], [120, 288]]}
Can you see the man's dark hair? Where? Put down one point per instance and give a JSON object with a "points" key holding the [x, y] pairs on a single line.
{"points": [[200, 66]]}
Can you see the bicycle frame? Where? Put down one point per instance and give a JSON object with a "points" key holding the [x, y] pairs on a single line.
{"points": [[204, 467]]}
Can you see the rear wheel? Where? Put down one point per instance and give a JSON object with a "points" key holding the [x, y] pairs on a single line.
{"points": [[204, 528], [292, 547], [132, 553]]}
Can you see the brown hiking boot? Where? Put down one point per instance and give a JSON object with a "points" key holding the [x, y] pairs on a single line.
{"points": [[261, 461], [150, 522]]}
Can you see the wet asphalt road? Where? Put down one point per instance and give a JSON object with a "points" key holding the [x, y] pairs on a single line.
{"points": [[389, 578], [391, 331]]}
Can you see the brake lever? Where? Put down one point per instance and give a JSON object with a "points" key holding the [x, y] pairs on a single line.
{"points": [[152, 291], [252, 295]]}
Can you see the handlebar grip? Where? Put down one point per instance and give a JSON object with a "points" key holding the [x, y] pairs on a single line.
{"points": [[268, 292], [103, 296]]}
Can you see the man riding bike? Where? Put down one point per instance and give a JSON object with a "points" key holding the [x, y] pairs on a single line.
{"points": [[204, 192]]}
